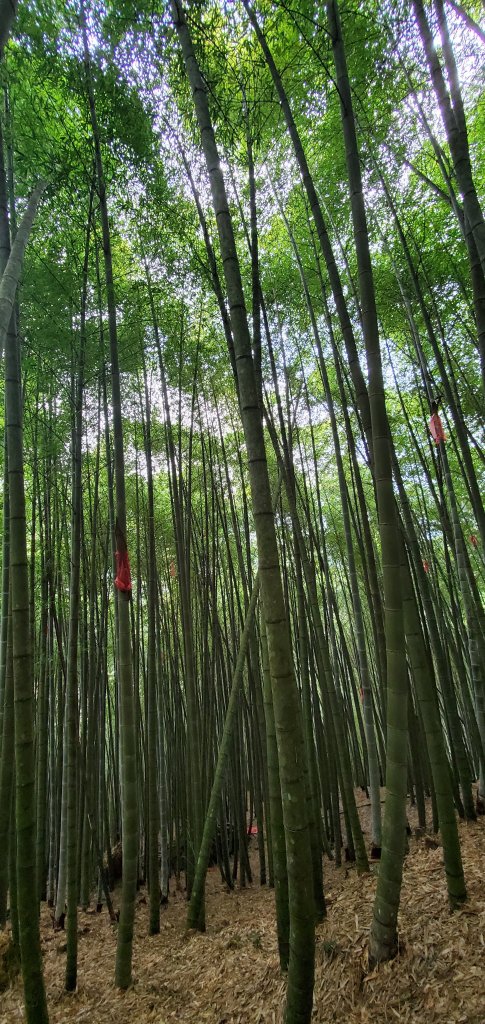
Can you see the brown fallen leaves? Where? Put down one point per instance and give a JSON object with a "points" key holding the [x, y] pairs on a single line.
{"points": [[230, 975]]}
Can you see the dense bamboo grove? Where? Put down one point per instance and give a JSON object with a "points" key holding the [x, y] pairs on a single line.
{"points": [[242, 313]]}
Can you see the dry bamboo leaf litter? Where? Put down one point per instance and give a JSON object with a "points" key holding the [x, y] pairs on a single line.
{"points": [[231, 975]]}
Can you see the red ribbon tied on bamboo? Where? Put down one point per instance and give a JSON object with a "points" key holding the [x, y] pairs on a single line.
{"points": [[123, 574], [436, 429]]}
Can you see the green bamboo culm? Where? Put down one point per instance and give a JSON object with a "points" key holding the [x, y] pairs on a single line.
{"points": [[129, 784], [383, 943], [152, 725], [71, 718], [280, 865], [28, 915], [428, 699], [196, 911], [286, 700], [6, 774]]}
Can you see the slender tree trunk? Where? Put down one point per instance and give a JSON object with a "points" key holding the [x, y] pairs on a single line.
{"points": [[11, 274], [467, 19], [474, 653], [196, 911], [362, 396], [152, 724], [285, 694], [374, 780], [129, 789], [384, 928], [5, 586], [451, 109], [7, 774], [8, 13], [23, 679], [72, 727]]}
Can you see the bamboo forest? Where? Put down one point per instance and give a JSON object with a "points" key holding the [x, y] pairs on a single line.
{"points": [[242, 633]]}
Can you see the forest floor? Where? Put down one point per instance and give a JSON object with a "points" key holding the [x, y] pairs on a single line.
{"points": [[230, 975]]}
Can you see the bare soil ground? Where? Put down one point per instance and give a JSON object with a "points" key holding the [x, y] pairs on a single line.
{"points": [[231, 975]]}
